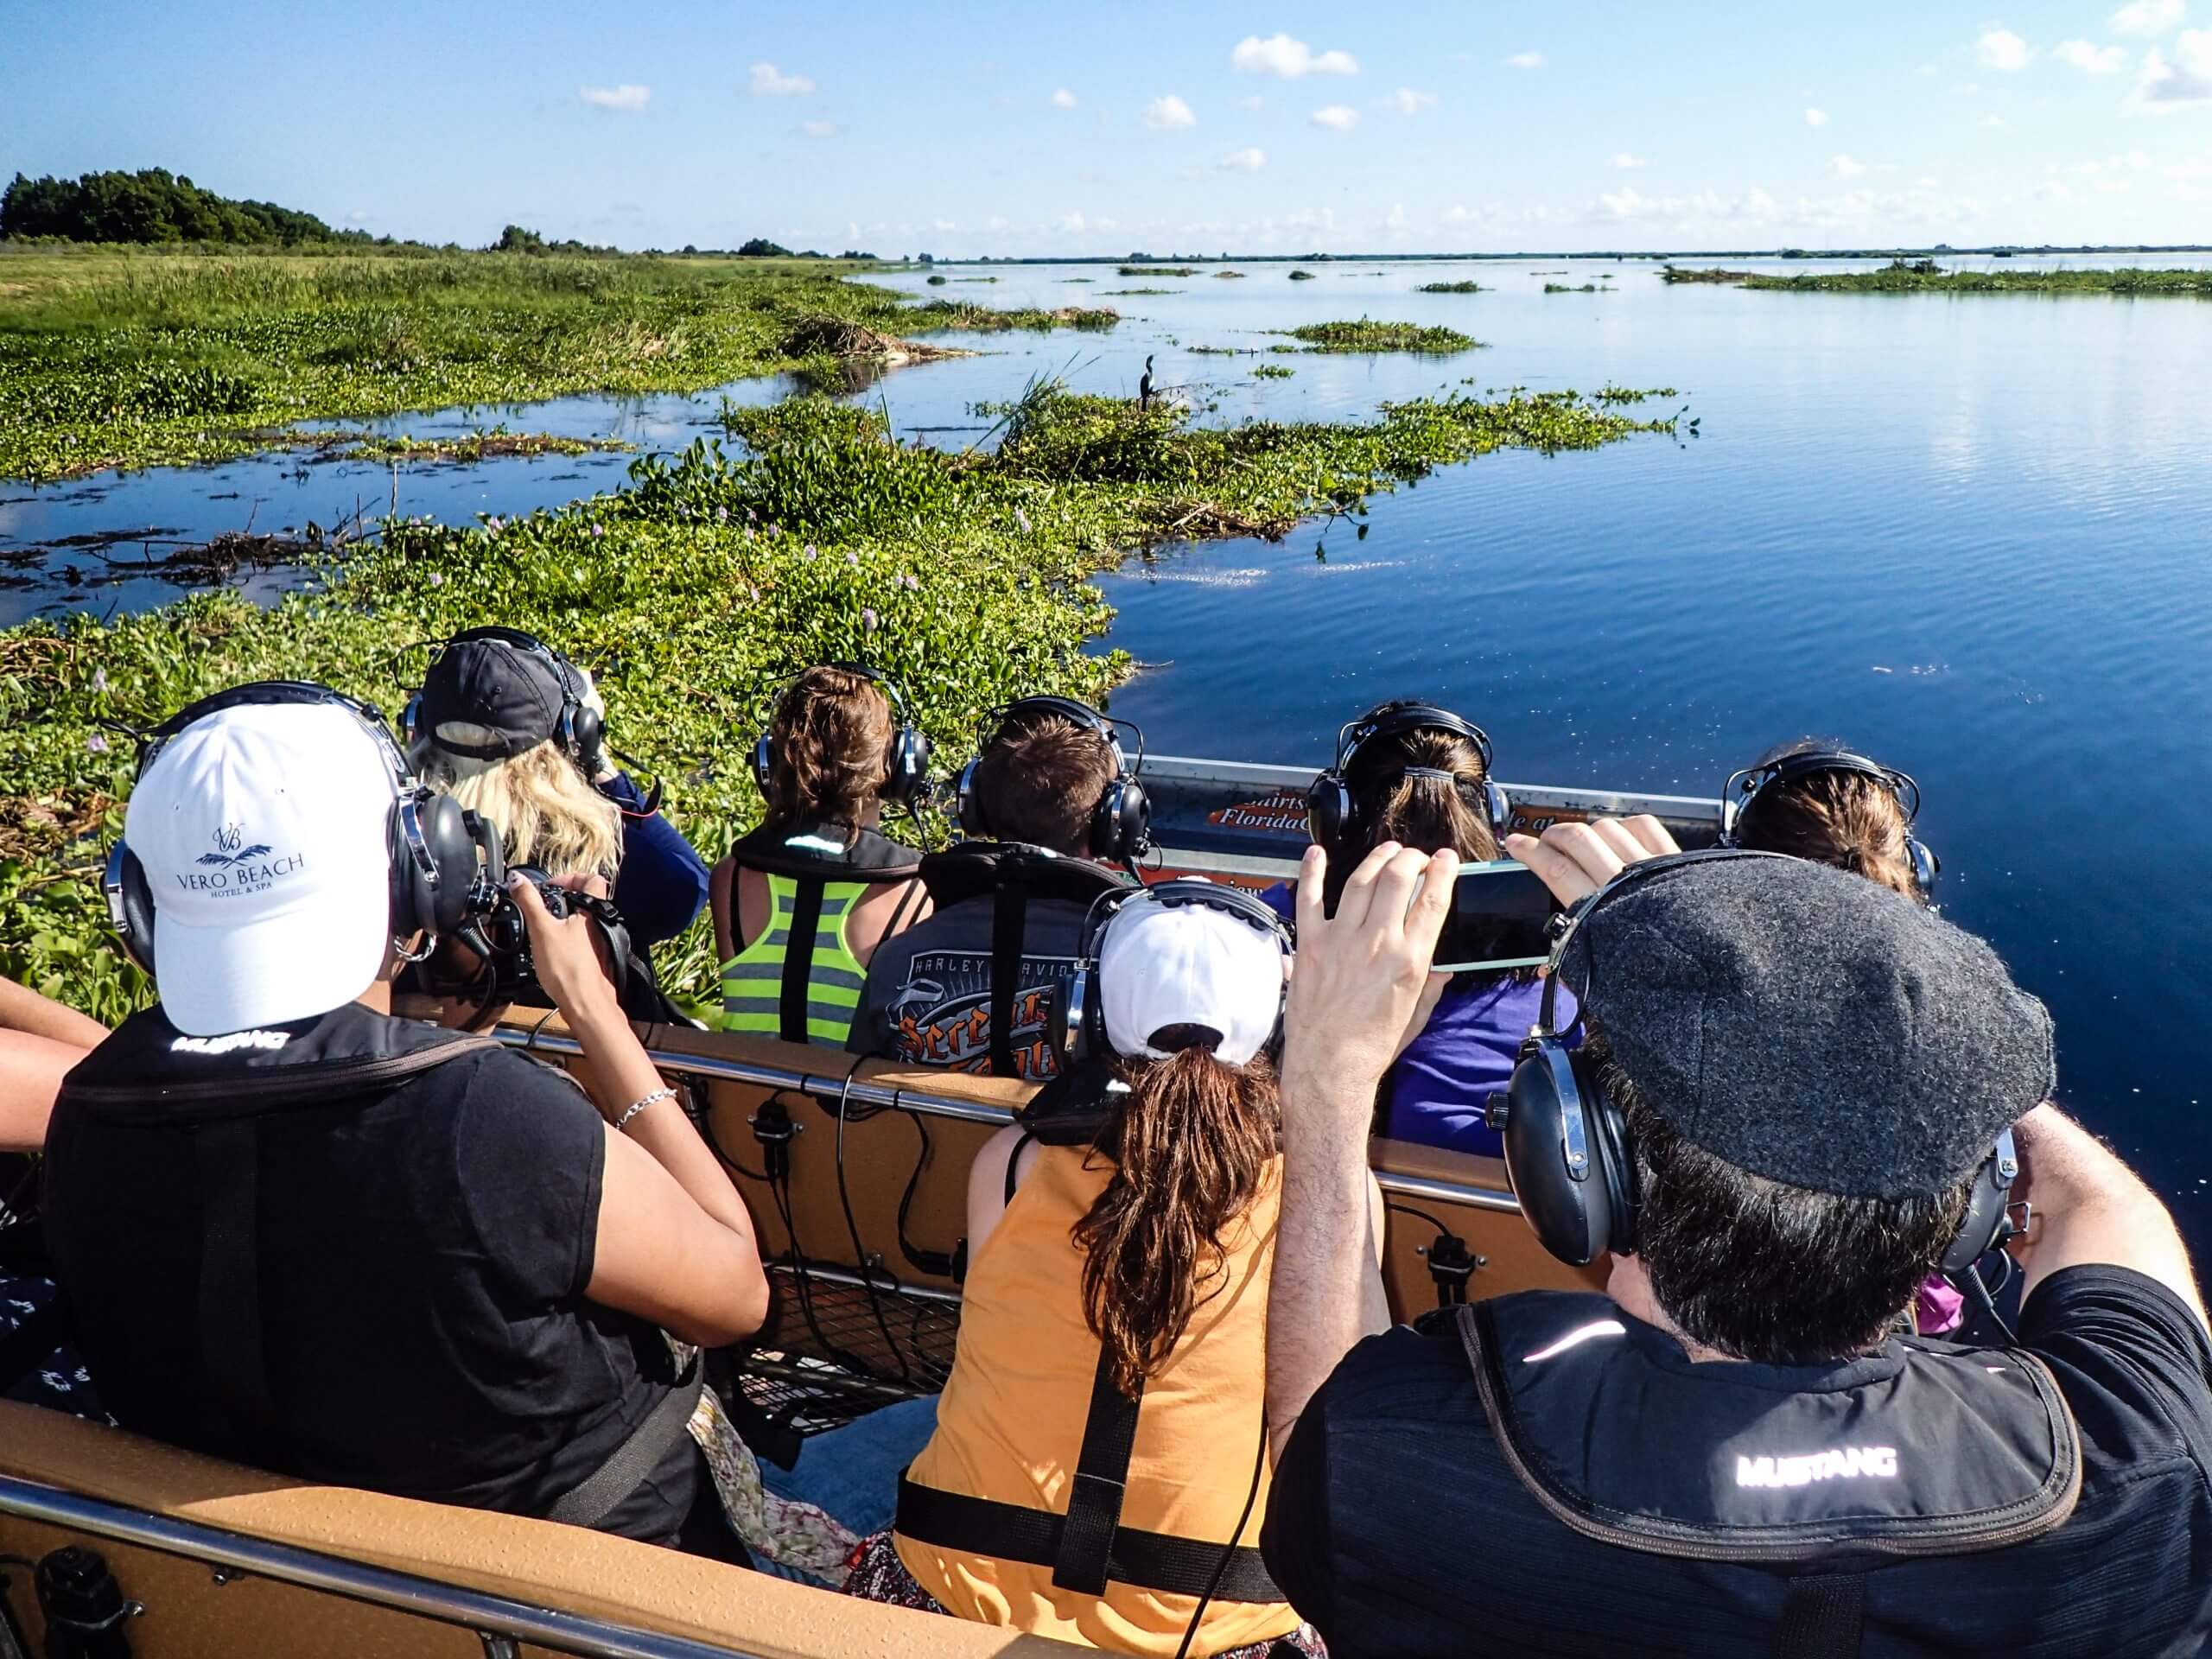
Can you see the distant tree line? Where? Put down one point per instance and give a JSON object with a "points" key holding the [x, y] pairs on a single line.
{"points": [[153, 205]]}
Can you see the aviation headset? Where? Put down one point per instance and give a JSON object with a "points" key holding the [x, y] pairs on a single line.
{"points": [[1121, 820], [1075, 1029], [1567, 1154], [1333, 810], [582, 729], [906, 768], [1742, 792], [445, 862]]}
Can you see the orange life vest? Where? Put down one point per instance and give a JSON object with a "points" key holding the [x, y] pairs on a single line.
{"points": [[1011, 1430]]}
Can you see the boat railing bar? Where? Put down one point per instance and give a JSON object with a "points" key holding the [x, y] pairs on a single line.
{"points": [[1534, 796], [862, 1091], [487, 1616]]}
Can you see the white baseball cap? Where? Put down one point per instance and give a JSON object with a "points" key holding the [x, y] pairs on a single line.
{"points": [[264, 833], [1188, 964]]}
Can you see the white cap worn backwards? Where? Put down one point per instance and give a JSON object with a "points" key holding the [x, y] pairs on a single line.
{"points": [[1163, 965], [264, 831]]}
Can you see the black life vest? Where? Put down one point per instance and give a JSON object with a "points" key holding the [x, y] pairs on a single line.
{"points": [[1921, 1448], [1011, 874], [219, 1088]]}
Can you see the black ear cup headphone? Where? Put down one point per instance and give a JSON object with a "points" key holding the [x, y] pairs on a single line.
{"points": [[905, 767], [1332, 812], [581, 730], [1567, 1153], [1075, 1023], [1121, 822], [445, 862], [1740, 796]]}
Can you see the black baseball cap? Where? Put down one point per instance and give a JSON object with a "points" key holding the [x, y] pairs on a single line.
{"points": [[512, 694]]}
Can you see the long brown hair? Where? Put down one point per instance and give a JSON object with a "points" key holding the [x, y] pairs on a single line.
{"points": [[1426, 813], [1842, 818], [833, 747], [1191, 1148]]}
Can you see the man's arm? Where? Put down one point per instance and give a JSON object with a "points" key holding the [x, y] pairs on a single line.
{"points": [[2090, 1208], [23, 1009], [1362, 981]]}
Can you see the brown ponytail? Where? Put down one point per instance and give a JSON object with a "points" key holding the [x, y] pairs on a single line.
{"points": [[833, 749], [1842, 818], [1427, 813], [1190, 1148]]}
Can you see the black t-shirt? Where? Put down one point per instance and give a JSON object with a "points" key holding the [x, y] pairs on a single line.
{"points": [[1395, 1526], [423, 1262]]}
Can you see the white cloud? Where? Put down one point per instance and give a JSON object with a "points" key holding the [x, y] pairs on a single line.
{"points": [[1312, 218], [818, 129], [1843, 167], [1166, 114], [1815, 118], [2149, 16], [1992, 120], [1341, 118], [1072, 221], [943, 225], [1626, 161], [1525, 60], [1243, 160], [1407, 101], [2092, 60], [1254, 101], [626, 97], [1396, 219], [1859, 211], [2185, 78], [1279, 54], [2000, 49], [996, 222], [1063, 98], [766, 80]]}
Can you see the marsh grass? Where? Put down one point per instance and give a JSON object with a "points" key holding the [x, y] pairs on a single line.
{"points": [[1367, 335], [1925, 277], [696, 588], [108, 360]]}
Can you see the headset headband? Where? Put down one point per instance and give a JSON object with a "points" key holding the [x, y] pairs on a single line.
{"points": [[1181, 891], [1082, 714], [1355, 735], [1570, 922], [268, 692], [1754, 781]]}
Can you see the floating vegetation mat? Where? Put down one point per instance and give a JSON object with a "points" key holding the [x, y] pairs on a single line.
{"points": [[1451, 287], [696, 588], [1155, 270], [1926, 276], [1366, 335]]}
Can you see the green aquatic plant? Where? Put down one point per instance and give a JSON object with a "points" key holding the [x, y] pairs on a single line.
{"points": [[1451, 288], [1562, 288], [1674, 274], [693, 590], [109, 361], [1272, 372], [1118, 293], [1926, 276], [936, 279], [1155, 270], [1367, 335], [1301, 276]]}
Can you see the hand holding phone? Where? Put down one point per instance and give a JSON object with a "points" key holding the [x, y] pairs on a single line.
{"points": [[1500, 919]]}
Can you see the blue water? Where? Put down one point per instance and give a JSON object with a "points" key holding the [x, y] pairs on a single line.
{"points": [[1966, 535]]}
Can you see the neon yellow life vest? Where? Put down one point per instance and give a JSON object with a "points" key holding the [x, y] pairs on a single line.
{"points": [[752, 979]]}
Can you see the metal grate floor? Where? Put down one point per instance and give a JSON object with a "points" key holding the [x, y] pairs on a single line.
{"points": [[835, 1350]]}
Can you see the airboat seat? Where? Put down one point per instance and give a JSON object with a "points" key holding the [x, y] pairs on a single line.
{"points": [[227, 1559]]}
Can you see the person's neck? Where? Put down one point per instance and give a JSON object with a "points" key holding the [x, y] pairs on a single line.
{"points": [[378, 998], [1630, 1287]]}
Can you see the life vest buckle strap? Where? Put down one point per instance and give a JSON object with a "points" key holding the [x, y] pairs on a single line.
{"points": [[1087, 1539]]}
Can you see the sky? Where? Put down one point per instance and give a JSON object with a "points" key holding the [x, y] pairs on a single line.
{"points": [[1478, 126]]}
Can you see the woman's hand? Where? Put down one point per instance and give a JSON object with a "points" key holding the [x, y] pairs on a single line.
{"points": [[1363, 990], [567, 954], [1575, 860]]}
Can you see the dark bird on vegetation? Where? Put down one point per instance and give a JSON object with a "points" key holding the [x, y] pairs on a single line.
{"points": [[1144, 386]]}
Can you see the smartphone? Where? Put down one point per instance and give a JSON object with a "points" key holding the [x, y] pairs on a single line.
{"points": [[1501, 917]]}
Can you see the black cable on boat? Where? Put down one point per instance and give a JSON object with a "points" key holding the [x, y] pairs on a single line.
{"points": [[1228, 1549], [853, 1230]]}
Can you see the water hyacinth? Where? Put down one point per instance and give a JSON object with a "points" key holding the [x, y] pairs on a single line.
{"points": [[96, 744], [853, 559], [100, 679], [1021, 519], [869, 619], [809, 555], [722, 515], [598, 530]]}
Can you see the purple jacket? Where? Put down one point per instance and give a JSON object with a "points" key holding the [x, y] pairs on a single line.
{"points": [[1438, 1092]]}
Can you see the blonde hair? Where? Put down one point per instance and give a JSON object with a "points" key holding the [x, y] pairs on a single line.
{"points": [[547, 813]]}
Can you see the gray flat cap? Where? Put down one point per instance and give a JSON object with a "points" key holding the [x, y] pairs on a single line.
{"points": [[1810, 1025]]}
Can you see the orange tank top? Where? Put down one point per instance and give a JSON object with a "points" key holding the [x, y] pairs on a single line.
{"points": [[1009, 1425]]}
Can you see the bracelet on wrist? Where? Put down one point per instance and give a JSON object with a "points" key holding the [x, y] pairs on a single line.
{"points": [[622, 1120]]}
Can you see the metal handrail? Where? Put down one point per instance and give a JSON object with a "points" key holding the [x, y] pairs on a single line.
{"points": [[862, 1091], [407, 1593]]}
